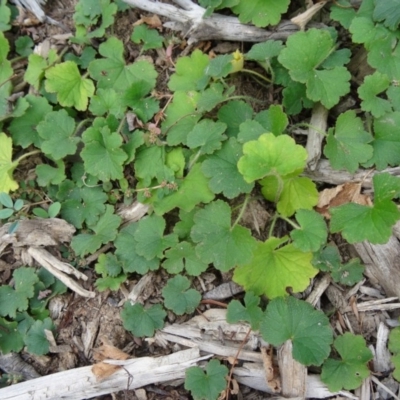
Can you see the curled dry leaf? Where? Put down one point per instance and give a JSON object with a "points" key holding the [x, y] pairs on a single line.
{"points": [[341, 194], [153, 21], [270, 372]]}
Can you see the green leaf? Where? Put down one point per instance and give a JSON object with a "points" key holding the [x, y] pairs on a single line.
{"points": [[295, 98], [140, 321], [271, 154], [220, 66], [347, 145], [102, 154], [219, 242], [81, 205], [111, 71], [251, 312], [349, 372], [35, 339], [150, 239], [261, 12], [357, 222], [343, 13], [296, 320], [188, 72], [107, 101], [108, 265], [192, 190], [273, 120], [233, 114], [209, 384], [372, 86], [5, 14], [386, 187], [143, 107], [126, 251], [207, 135], [109, 283], [348, 274], [396, 363], [10, 338], [250, 130], [275, 268], [23, 129], [72, 90], [304, 55], [25, 279], [7, 166], [181, 117], [23, 46], [212, 96], [57, 132], [386, 141], [388, 12], [265, 51], [394, 340], [183, 255], [105, 231], [12, 301], [178, 297], [48, 175], [221, 168], [290, 192], [150, 38], [6, 200], [35, 71], [312, 233]]}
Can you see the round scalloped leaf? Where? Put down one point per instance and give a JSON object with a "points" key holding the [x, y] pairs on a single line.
{"points": [[349, 372], [269, 155], [296, 320]]}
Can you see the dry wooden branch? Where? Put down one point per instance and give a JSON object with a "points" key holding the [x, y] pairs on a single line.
{"points": [[81, 383], [189, 20]]}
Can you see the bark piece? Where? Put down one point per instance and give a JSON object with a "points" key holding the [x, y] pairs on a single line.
{"points": [[81, 383]]}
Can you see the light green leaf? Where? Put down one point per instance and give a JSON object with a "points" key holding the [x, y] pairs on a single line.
{"points": [[111, 71], [7, 166], [261, 12], [386, 141], [273, 120], [102, 154], [290, 192], [207, 135], [150, 38], [72, 90], [208, 384], [347, 145], [221, 168], [217, 241], [275, 268], [357, 222], [140, 321], [183, 255], [271, 154], [349, 372], [251, 312], [304, 55], [105, 231], [108, 265], [373, 86], [188, 72], [150, 239], [312, 233], [192, 190], [57, 132], [296, 320], [178, 297], [35, 339]]}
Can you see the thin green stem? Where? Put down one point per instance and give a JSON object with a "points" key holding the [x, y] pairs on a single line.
{"points": [[249, 71], [195, 158], [272, 227], [290, 222], [242, 210], [26, 155], [79, 126]]}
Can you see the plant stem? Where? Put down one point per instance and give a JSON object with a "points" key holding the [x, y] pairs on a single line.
{"points": [[242, 210], [271, 228], [195, 158], [78, 127], [290, 222], [249, 71], [26, 155]]}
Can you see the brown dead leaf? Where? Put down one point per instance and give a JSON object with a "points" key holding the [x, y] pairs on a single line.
{"points": [[341, 194], [153, 21], [102, 370], [270, 375], [108, 351]]}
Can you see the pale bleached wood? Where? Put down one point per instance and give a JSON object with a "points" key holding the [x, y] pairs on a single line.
{"points": [[81, 383], [382, 264], [382, 354], [315, 137], [293, 374]]}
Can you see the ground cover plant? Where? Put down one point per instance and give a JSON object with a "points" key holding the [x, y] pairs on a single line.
{"points": [[101, 134]]}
